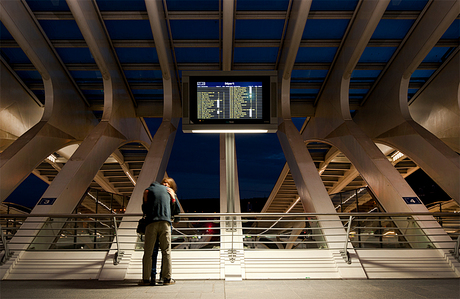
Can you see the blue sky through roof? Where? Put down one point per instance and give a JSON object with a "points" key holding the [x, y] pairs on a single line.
{"points": [[315, 54], [129, 29], [195, 29], [392, 29], [61, 29], [256, 54], [259, 29], [325, 29]]}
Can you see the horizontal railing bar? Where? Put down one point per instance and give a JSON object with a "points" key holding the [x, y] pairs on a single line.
{"points": [[256, 215]]}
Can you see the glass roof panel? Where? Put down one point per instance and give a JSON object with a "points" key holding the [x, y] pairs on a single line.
{"points": [[311, 91], [438, 54], [48, 5], [195, 55], [422, 73], [392, 29], [4, 33], [195, 29], [87, 75], [137, 55], [308, 74], [147, 91], [453, 31], [259, 29], [93, 92], [267, 55], [144, 75], [262, 5], [407, 4], [61, 29], [129, 29], [357, 91], [29, 75], [192, 5], [75, 55], [325, 29], [14, 55], [365, 74], [315, 54], [121, 5], [377, 54], [334, 5]]}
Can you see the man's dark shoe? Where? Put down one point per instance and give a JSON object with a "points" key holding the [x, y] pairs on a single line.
{"points": [[168, 281], [144, 283]]}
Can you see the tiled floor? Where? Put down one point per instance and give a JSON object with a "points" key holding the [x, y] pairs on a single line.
{"points": [[219, 289]]}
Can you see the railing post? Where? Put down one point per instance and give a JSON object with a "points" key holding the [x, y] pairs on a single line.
{"points": [[345, 253], [7, 254], [456, 249], [119, 254]]}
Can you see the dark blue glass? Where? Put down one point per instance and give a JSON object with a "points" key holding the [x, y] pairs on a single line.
{"points": [[377, 54], [315, 54], [75, 55], [262, 5], [61, 29], [195, 29], [407, 4], [129, 29], [453, 32], [330, 5], [261, 55], [137, 55], [196, 55], [392, 29], [14, 55], [4, 33], [121, 5], [48, 5], [192, 5], [438, 54], [259, 29], [325, 29]]}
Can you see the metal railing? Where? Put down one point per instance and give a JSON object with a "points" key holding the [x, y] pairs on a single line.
{"points": [[248, 231]]}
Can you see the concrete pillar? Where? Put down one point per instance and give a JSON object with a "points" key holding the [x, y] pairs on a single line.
{"points": [[19, 108], [154, 167], [385, 116], [59, 125], [437, 108]]}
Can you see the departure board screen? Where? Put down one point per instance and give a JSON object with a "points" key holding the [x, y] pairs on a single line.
{"points": [[229, 100]]}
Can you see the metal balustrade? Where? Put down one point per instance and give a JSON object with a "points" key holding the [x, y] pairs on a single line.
{"points": [[247, 231]]}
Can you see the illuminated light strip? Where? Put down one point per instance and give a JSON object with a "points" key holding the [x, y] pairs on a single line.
{"points": [[290, 208], [230, 131], [350, 197], [397, 155], [52, 158], [99, 202], [131, 178]]}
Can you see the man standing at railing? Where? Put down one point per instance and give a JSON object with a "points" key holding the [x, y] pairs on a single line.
{"points": [[157, 206]]}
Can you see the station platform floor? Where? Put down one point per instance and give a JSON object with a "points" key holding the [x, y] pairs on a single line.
{"points": [[220, 289]]}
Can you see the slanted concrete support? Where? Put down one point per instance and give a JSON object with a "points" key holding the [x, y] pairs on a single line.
{"points": [[59, 125], [154, 167], [19, 108], [309, 185], [442, 116], [386, 117], [333, 124]]}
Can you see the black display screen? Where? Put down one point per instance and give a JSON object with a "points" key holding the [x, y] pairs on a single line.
{"points": [[226, 100]]}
